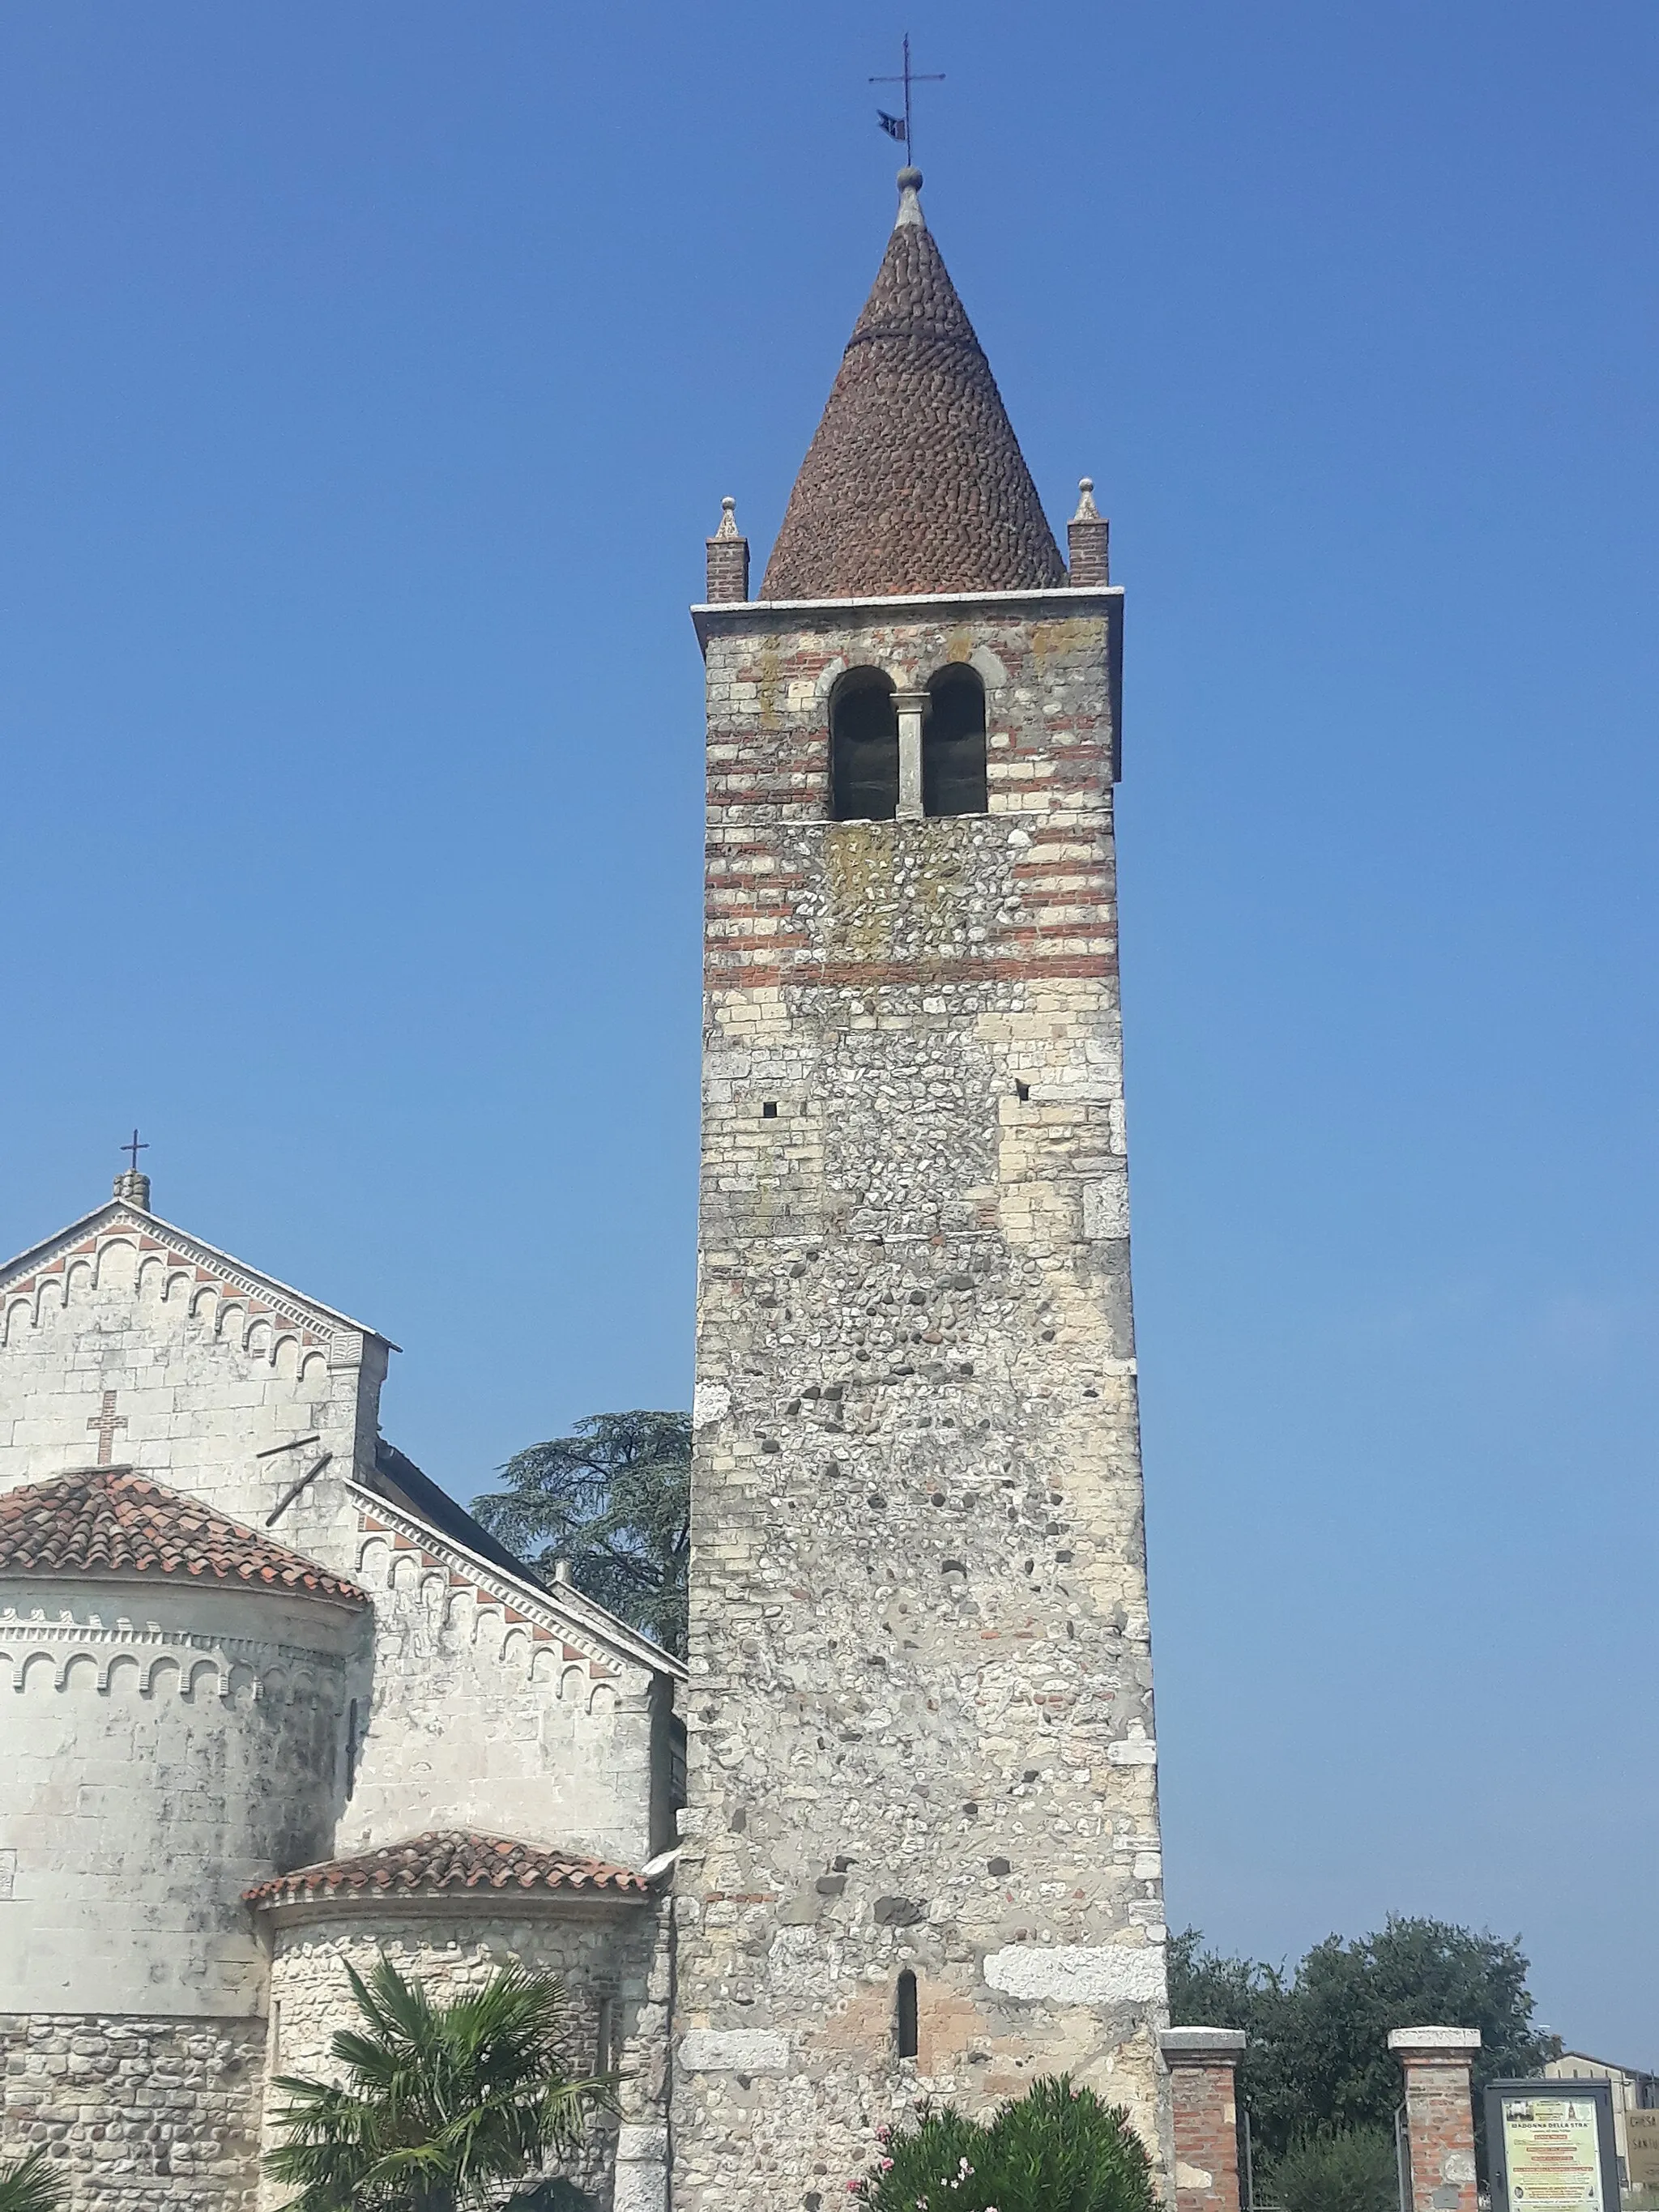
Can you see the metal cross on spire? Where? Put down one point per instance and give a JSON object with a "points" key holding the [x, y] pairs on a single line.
{"points": [[898, 126], [134, 1148]]}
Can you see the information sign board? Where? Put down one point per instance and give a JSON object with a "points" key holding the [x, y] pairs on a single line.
{"points": [[1642, 2147], [1551, 2147]]}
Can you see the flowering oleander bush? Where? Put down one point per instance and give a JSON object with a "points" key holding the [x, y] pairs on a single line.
{"points": [[1054, 2149]]}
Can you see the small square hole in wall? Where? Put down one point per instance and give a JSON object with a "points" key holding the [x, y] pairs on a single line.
{"points": [[768, 1109], [1022, 1092]]}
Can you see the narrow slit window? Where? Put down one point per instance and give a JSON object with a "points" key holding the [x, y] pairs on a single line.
{"points": [[768, 1109], [953, 744], [906, 2021], [863, 748]]}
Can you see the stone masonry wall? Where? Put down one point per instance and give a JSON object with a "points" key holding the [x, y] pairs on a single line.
{"points": [[616, 1958], [920, 1708], [140, 2115]]}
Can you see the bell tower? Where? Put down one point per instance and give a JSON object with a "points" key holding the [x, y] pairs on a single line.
{"points": [[921, 1852]]}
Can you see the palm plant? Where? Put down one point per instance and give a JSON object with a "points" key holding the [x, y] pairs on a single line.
{"points": [[442, 2104], [27, 2186]]}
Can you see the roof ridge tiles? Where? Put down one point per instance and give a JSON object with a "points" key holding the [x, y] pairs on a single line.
{"points": [[112, 1520], [445, 1859]]}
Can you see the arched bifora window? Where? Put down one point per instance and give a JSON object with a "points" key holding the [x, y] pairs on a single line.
{"points": [[863, 748], [953, 744]]}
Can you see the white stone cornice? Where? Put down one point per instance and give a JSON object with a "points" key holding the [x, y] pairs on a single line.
{"points": [[119, 1217]]}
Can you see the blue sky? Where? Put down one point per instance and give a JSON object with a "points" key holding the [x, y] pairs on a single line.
{"points": [[373, 376]]}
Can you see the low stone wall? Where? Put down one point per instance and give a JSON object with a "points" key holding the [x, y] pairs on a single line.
{"points": [[145, 2115]]}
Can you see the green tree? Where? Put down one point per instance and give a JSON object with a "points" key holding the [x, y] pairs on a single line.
{"points": [[1318, 2059], [614, 1499], [29, 2185], [441, 2105], [1054, 2149]]}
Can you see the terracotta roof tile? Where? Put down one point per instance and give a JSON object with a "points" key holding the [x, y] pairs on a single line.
{"points": [[447, 1860], [915, 481], [111, 1520]]}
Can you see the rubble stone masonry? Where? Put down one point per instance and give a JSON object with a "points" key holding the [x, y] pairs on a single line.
{"points": [[920, 1715], [138, 2115]]}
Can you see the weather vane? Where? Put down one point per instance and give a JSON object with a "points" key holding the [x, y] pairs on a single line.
{"points": [[899, 126]]}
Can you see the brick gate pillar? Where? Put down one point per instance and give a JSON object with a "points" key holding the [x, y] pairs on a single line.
{"points": [[1200, 2061], [1439, 2115]]}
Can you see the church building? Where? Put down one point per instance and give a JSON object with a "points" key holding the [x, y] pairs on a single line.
{"points": [[274, 1703]]}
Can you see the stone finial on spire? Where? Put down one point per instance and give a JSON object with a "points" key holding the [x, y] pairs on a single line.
{"points": [[728, 558], [910, 185], [1086, 541]]}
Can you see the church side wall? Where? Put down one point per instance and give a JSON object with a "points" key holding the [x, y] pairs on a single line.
{"points": [[920, 1708], [140, 2114], [616, 1958], [482, 1719]]}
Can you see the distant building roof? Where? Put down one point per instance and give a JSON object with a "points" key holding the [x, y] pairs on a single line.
{"points": [[109, 1521], [446, 1861], [915, 481]]}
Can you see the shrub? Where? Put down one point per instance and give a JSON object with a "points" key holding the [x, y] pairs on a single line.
{"points": [[1054, 2149], [1348, 2170]]}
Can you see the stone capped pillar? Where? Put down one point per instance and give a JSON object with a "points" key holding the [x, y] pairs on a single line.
{"points": [[1439, 2114], [1201, 2062], [728, 559]]}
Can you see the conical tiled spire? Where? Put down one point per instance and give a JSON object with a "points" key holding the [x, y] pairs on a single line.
{"points": [[915, 482]]}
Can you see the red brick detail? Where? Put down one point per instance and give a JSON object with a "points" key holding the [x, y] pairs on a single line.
{"points": [[1440, 2129], [1206, 2133], [863, 976]]}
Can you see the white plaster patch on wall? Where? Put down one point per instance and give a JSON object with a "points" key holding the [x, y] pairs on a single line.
{"points": [[734, 2051], [1078, 1973], [1132, 1751], [710, 1402], [1106, 1206]]}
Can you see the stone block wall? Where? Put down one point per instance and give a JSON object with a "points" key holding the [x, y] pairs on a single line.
{"points": [[920, 1708], [140, 2115]]}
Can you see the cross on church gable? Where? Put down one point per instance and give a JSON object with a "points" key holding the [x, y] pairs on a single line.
{"points": [[106, 1420]]}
